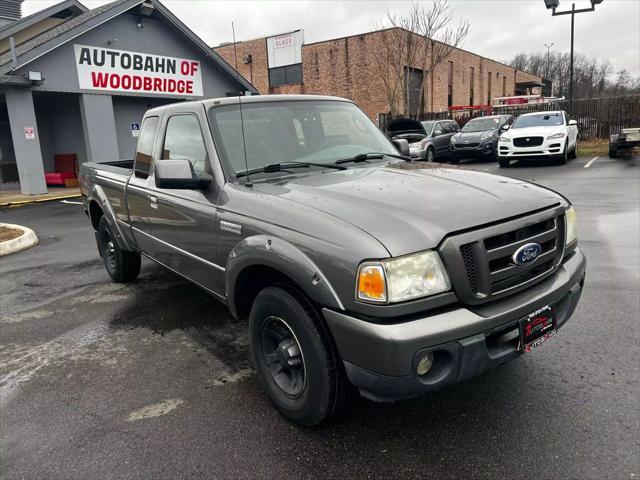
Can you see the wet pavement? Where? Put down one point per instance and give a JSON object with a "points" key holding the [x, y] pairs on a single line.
{"points": [[152, 380]]}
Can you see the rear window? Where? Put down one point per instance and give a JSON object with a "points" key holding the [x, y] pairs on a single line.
{"points": [[144, 150]]}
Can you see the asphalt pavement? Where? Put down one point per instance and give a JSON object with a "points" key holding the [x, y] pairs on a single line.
{"points": [[152, 380]]}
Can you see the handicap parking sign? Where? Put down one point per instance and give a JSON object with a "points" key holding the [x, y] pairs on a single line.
{"points": [[135, 129]]}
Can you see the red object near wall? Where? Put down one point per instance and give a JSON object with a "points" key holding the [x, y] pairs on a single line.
{"points": [[66, 167]]}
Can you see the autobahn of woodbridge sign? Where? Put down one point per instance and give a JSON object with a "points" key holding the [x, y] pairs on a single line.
{"points": [[123, 71]]}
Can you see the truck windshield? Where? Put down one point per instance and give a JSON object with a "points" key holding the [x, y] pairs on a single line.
{"points": [[318, 131], [542, 120]]}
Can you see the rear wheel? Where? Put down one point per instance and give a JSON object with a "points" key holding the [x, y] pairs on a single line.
{"points": [[122, 266], [295, 361]]}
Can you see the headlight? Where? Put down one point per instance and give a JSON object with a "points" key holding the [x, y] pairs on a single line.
{"points": [[572, 226], [504, 139], [486, 136], [403, 278], [557, 135]]}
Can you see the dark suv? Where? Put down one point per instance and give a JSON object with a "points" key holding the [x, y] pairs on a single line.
{"points": [[478, 138]]}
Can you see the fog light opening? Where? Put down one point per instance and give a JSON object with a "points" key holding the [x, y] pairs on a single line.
{"points": [[425, 364]]}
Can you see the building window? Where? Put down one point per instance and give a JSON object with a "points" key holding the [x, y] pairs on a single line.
{"points": [[472, 81], [504, 86], [285, 75], [489, 78], [450, 85], [415, 78]]}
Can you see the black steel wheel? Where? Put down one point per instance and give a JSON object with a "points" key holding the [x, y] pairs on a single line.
{"points": [[283, 356], [295, 359], [122, 266]]}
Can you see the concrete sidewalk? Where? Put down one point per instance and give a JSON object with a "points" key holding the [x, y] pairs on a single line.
{"points": [[10, 198]]}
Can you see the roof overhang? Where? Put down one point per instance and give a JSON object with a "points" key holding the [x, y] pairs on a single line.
{"points": [[116, 10], [74, 6]]}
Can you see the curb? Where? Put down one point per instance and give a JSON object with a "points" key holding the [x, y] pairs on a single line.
{"points": [[20, 203], [27, 240]]}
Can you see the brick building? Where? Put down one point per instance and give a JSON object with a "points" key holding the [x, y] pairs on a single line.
{"points": [[345, 67]]}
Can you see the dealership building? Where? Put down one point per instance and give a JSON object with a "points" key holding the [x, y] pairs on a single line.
{"points": [[75, 83], [349, 67]]}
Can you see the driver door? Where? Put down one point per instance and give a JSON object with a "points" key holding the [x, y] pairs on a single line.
{"points": [[183, 222]]}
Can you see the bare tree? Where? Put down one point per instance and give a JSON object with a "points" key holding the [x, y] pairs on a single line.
{"points": [[410, 44], [591, 77]]}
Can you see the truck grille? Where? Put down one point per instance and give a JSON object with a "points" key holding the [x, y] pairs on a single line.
{"points": [[528, 141], [481, 264]]}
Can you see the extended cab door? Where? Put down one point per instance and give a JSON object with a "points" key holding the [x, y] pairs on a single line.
{"points": [[181, 232]]}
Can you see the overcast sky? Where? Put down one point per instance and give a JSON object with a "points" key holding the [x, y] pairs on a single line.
{"points": [[499, 28]]}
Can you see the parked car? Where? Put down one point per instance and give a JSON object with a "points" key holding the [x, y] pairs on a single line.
{"points": [[354, 266], [428, 140], [539, 135], [625, 141], [478, 138]]}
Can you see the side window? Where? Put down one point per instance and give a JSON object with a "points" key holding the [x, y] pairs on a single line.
{"points": [[144, 150], [439, 127], [183, 140]]}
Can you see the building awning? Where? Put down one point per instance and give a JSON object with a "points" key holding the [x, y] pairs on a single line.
{"points": [[529, 84]]}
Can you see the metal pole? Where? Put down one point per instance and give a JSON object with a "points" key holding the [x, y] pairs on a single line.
{"points": [[573, 14]]}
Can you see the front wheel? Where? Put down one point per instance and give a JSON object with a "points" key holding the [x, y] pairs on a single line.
{"points": [[454, 159], [429, 157], [565, 156], [122, 266], [613, 151], [574, 152], [504, 162], [294, 358]]}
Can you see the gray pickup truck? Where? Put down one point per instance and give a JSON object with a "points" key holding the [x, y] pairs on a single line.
{"points": [[354, 266]]}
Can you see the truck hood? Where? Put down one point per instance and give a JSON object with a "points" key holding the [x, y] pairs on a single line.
{"points": [[410, 207]]}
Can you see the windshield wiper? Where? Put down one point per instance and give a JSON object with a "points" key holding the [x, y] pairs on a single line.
{"points": [[279, 167], [363, 157]]}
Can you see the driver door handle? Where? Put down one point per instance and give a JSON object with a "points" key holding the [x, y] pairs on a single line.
{"points": [[153, 201]]}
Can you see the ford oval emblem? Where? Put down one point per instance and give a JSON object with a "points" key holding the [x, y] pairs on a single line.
{"points": [[527, 254]]}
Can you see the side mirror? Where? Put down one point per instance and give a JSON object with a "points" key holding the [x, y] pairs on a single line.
{"points": [[180, 174], [504, 128], [573, 122], [401, 145], [437, 132]]}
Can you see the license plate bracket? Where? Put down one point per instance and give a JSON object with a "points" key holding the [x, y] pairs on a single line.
{"points": [[536, 328]]}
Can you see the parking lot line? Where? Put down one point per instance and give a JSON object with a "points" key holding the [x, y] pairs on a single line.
{"points": [[590, 162]]}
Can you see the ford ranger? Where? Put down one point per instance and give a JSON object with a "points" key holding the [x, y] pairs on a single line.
{"points": [[356, 268]]}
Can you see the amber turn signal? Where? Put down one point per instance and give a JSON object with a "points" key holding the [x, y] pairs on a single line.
{"points": [[371, 283]]}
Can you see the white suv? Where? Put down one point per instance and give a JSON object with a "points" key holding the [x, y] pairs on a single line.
{"points": [[539, 134]]}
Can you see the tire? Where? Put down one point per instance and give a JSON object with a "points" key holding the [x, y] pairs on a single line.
{"points": [[574, 153], [613, 151], [429, 156], [294, 357], [565, 156], [454, 159], [504, 162], [122, 266]]}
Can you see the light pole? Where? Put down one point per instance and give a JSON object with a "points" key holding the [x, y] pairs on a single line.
{"points": [[549, 62], [553, 5]]}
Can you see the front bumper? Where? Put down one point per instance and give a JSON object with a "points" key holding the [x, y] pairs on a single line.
{"points": [[381, 359], [418, 153], [483, 150], [549, 148]]}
